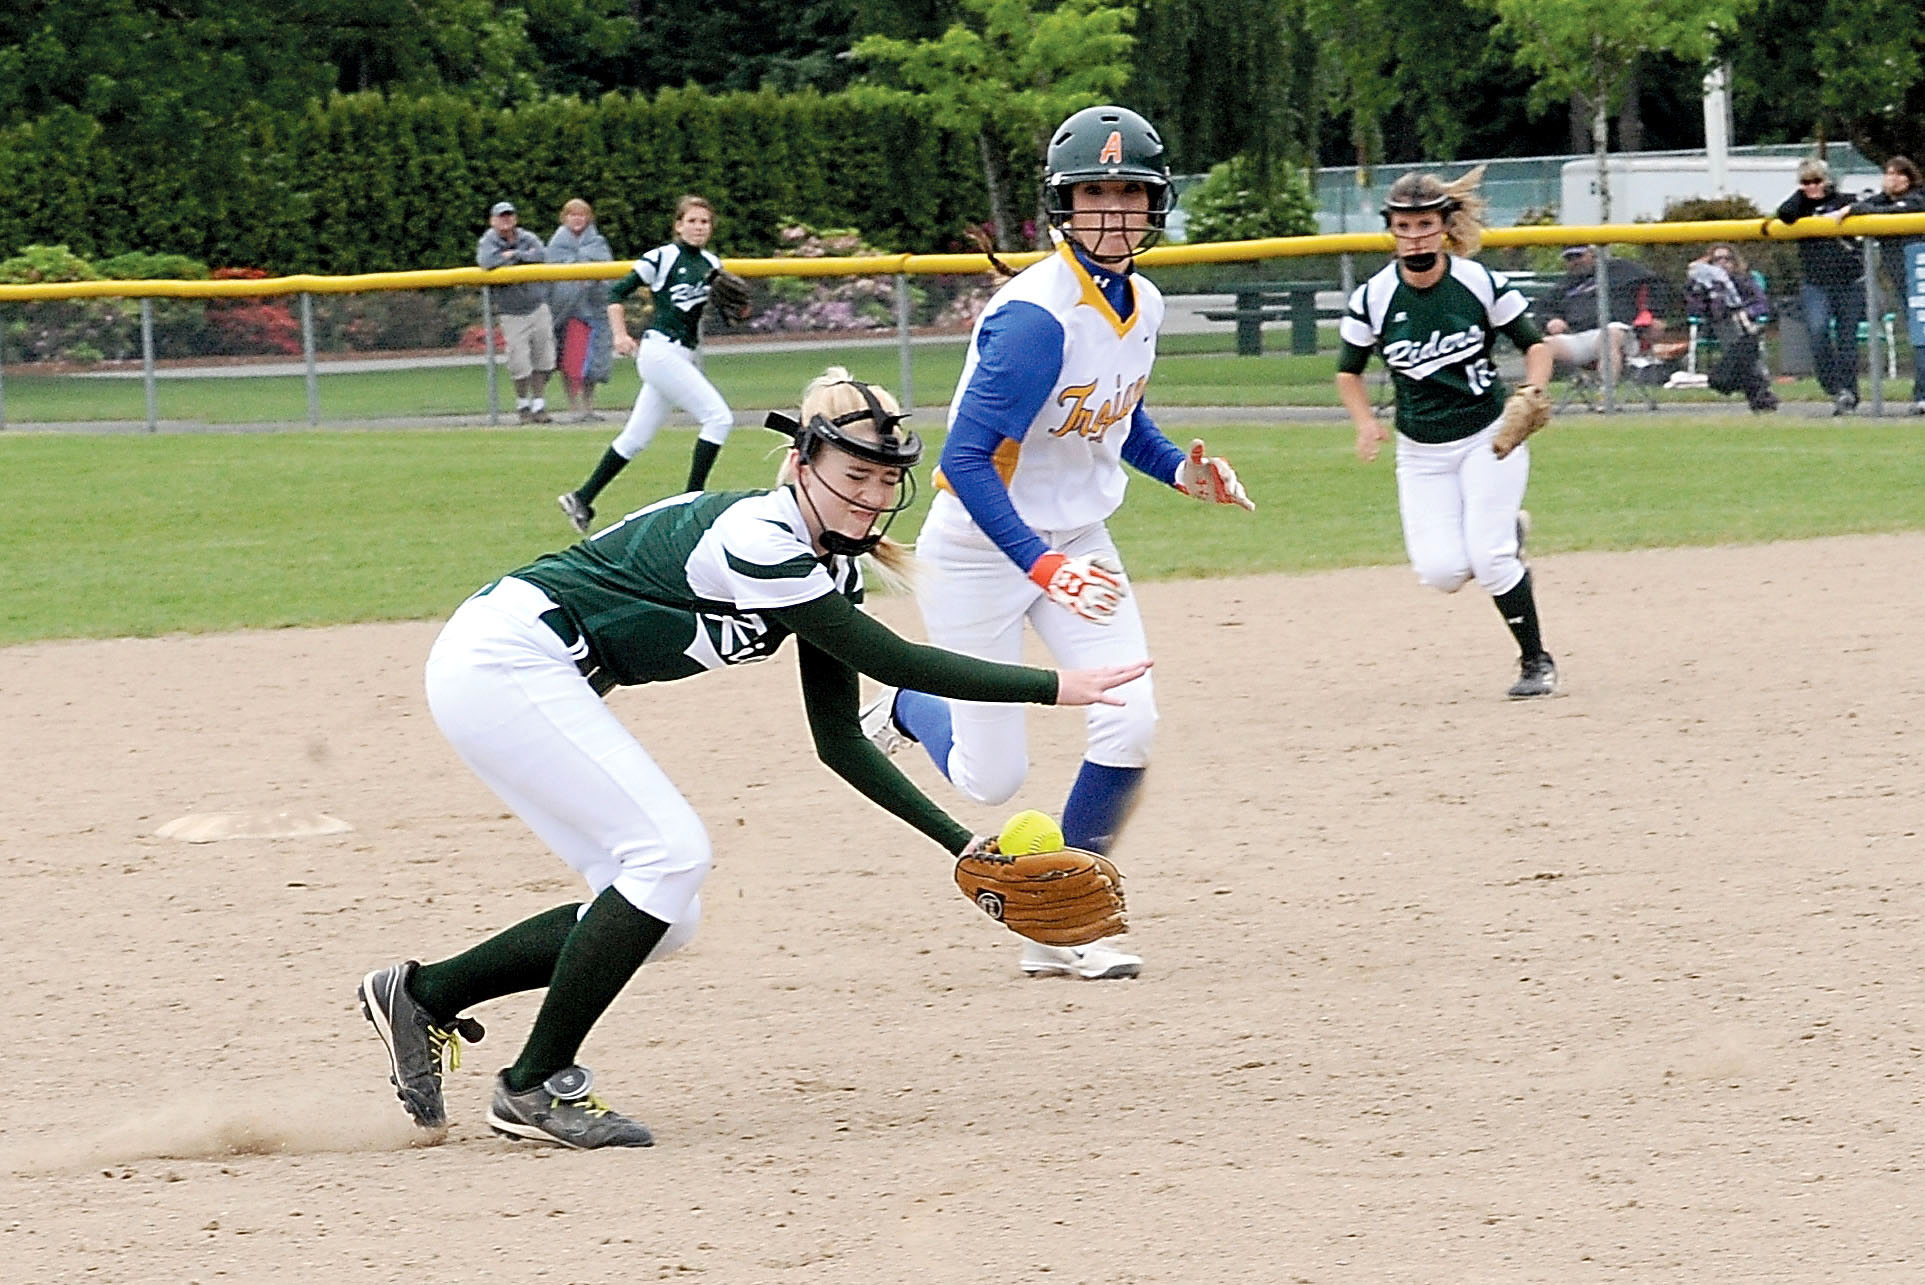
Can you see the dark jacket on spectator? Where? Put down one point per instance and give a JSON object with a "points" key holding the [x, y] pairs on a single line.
{"points": [[1574, 298], [1891, 249], [1825, 260]]}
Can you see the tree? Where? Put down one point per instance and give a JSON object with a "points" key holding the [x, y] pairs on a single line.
{"points": [[1592, 47], [1008, 74], [1223, 78]]}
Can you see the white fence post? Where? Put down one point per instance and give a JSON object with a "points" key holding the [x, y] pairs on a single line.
{"points": [[147, 360], [1874, 325], [1606, 341], [488, 345], [906, 380], [307, 357]]}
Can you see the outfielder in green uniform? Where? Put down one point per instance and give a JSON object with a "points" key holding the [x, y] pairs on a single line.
{"points": [[676, 276], [1434, 314]]}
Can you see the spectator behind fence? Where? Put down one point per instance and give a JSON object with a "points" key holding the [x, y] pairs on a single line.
{"points": [[1721, 289], [1904, 194], [527, 327], [1833, 296], [582, 333], [1571, 313]]}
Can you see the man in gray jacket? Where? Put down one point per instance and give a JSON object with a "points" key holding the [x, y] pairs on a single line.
{"points": [[526, 326]]}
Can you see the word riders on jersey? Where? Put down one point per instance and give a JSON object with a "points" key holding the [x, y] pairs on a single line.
{"points": [[1065, 472], [1437, 343]]}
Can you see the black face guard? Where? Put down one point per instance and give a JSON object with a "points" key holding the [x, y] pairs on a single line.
{"points": [[1155, 218], [891, 450]]}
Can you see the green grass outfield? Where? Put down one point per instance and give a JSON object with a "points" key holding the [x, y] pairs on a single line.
{"points": [[1191, 370], [145, 535]]}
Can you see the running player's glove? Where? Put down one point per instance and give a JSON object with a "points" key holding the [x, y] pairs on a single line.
{"points": [[730, 294], [1528, 410], [1064, 898], [1089, 586], [1211, 479]]}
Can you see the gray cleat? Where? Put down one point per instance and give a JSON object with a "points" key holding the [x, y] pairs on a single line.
{"points": [[563, 1109], [578, 511], [1537, 677], [419, 1044]]}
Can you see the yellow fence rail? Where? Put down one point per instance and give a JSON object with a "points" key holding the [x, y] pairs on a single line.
{"points": [[1876, 225]]}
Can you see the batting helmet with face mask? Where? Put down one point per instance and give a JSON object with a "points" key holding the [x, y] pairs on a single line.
{"points": [[1106, 144]]}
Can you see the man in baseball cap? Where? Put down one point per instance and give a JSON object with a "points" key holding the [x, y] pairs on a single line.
{"points": [[526, 326]]}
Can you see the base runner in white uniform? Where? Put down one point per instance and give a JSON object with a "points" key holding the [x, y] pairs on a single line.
{"points": [[676, 276], [1434, 313], [1048, 410], [695, 583]]}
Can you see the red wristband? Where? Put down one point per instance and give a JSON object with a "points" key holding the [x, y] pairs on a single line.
{"points": [[1044, 569]]}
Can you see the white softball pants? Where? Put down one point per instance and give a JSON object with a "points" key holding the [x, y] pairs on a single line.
{"points": [[505, 691], [670, 379], [974, 600], [1459, 504]]}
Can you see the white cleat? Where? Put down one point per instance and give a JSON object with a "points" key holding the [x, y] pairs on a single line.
{"points": [[878, 719], [1098, 961]]}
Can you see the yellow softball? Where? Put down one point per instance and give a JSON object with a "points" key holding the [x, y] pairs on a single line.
{"points": [[1029, 832]]}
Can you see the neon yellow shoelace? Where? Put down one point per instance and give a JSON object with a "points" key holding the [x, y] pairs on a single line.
{"points": [[446, 1046]]}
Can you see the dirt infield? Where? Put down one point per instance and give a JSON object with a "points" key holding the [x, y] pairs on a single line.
{"points": [[1624, 985]]}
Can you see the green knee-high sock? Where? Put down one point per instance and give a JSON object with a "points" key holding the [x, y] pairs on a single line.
{"points": [[611, 463], [602, 953], [700, 463], [521, 958]]}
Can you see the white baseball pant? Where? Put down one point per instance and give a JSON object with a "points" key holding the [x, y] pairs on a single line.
{"points": [[1459, 505], [670, 379], [974, 600], [505, 691]]}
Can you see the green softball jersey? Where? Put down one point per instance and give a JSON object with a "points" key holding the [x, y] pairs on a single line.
{"points": [[708, 579], [677, 276], [1438, 344]]}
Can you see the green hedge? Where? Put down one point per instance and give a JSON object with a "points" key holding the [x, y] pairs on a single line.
{"points": [[366, 183]]}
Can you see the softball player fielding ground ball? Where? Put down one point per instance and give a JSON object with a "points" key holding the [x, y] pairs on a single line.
{"points": [[676, 276], [1434, 314], [694, 583], [1049, 409]]}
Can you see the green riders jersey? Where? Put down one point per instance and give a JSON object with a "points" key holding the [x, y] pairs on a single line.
{"points": [[1438, 344], [682, 586], [677, 276]]}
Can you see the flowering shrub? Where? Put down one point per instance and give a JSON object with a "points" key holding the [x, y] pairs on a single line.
{"points": [[65, 329], [824, 303], [251, 325]]}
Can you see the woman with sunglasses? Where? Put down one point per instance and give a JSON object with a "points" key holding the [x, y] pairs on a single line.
{"points": [[694, 583], [1833, 294]]}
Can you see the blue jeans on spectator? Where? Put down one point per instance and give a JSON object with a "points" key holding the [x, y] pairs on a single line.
{"points": [[1835, 355]]}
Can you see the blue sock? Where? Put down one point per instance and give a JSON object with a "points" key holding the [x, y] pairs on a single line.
{"points": [[1098, 804], [926, 718]]}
